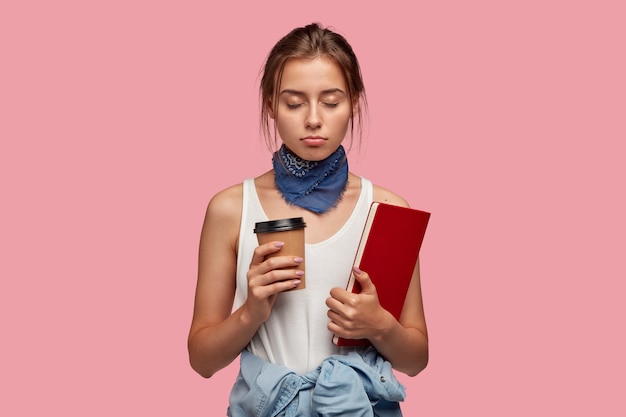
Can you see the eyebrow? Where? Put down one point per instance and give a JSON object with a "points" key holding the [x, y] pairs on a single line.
{"points": [[301, 93]]}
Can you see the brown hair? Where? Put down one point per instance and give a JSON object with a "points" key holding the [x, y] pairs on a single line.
{"points": [[309, 42]]}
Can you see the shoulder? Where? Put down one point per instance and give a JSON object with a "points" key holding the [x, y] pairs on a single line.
{"points": [[227, 202], [386, 196], [223, 214]]}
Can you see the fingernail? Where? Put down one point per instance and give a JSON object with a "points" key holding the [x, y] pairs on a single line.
{"points": [[356, 269], [279, 244], [299, 273], [298, 259], [296, 282]]}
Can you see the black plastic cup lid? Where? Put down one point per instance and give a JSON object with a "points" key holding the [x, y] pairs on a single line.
{"points": [[281, 225]]}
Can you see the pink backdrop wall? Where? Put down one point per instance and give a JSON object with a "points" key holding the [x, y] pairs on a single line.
{"points": [[120, 119]]}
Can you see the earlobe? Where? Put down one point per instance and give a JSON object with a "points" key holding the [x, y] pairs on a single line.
{"points": [[270, 109]]}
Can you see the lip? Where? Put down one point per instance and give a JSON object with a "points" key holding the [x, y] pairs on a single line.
{"points": [[313, 140]]}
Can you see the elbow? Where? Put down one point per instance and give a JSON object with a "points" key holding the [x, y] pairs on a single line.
{"points": [[198, 362], [420, 359], [418, 365], [203, 373], [416, 370], [201, 370]]}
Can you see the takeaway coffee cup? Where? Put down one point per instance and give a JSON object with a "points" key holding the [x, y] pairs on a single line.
{"points": [[290, 231]]}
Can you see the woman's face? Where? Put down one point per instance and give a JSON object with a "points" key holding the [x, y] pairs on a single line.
{"points": [[313, 111]]}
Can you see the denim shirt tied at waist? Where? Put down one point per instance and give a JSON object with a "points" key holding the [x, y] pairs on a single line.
{"points": [[358, 384]]}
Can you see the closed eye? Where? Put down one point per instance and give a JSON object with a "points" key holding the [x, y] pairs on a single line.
{"points": [[331, 105]]}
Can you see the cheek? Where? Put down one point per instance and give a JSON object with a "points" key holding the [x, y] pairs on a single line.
{"points": [[284, 123], [284, 120], [342, 122]]}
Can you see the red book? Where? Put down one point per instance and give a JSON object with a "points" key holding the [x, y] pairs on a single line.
{"points": [[388, 251]]}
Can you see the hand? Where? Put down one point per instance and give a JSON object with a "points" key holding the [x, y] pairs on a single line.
{"points": [[267, 278], [357, 316]]}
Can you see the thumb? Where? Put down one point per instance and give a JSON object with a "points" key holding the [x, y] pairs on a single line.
{"points": [[367, 286]]}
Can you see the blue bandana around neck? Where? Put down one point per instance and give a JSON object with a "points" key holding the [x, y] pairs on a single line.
{"points": [[314, 185]]}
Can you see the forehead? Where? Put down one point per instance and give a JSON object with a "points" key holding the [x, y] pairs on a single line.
{"points": [[312, 75]]}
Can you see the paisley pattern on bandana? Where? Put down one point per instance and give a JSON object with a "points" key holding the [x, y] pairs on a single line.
{"points": [[314, 185]]}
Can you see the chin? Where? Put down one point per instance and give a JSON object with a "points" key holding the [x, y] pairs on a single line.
{"points": [[314, 153]]}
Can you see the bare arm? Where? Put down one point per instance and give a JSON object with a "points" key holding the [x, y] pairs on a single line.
{"points": [[405, 342], [217, 336]]}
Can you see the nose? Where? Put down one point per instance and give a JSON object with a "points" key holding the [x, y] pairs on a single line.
{"points": [[313, 119]]}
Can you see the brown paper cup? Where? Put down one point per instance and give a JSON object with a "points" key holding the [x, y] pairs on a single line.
{"points": [[290, 231]]}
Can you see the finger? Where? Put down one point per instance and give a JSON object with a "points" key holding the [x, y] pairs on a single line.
{"points": [[335, 318], [336, 329], [279, 262], [274, 276], [282, 286], [367, 286], [334, 305], [343, 296], [339, 330], [266, 291], [261, 251]]}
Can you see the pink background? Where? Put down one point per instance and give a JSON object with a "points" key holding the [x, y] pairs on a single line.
{"points": [[120, 119]]}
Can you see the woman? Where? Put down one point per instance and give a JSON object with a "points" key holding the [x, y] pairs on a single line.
{"points": [[311, 92]]}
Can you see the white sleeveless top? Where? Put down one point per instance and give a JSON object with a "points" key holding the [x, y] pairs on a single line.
{"points": [[296, 334]]}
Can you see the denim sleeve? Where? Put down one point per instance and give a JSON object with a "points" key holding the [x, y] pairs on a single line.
{"points": [[358, 384], [354, 385]]}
